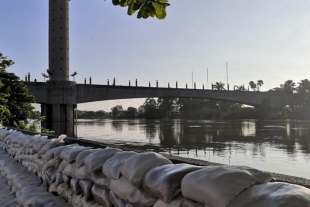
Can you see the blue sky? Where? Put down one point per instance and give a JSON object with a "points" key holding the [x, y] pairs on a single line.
{"points": [[260, 39]]}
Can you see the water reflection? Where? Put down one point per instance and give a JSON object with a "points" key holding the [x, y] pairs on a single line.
{"points": [[271, 145]]}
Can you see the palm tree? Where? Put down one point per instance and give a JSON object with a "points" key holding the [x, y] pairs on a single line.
{"points": [[304, 86], [240, 88], [219, 86], [259, 84], [289, 86], [252, 85]]}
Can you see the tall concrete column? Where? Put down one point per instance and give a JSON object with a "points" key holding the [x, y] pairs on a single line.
{"points": [[58, 40], [61, 98]]}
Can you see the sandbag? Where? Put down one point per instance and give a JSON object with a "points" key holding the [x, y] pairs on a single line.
{"points": [[52, 144], [112, 167], [95, 161], [86, 186], [50, 153], [164, 182], [217, 186], [60, 149], [70, 169], [137, 165], [273, 195], [117, 202], [65, 191], [62, 166], [177, 202], [75, 186], [49, 173], [140, 198], [73, 171], [69, 154], [101, 180], [190, 203], [59, 179], [101, 196], [122, 188], [82, 155], [66, 179], [52, 163]]}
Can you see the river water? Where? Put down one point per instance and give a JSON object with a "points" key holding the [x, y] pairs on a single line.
{"points": [[276, 146]]}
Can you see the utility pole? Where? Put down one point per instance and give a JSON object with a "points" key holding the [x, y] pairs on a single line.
{"points": [[207, 78], [227, 75], [192, 79]]}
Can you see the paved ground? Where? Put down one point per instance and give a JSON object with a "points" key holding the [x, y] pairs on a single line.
{"points": [[7, 197]]}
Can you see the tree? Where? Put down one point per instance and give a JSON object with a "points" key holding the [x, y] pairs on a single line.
{"points": [[117, 111], [151, 109], [259, 84], [145, 8], [166, 105], [239, 88], [16, 101], [131, 112], [252, 85], [219, 86], [289, 87]]}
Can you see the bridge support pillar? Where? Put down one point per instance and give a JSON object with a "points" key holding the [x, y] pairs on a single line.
{"points": [[59, 118]]}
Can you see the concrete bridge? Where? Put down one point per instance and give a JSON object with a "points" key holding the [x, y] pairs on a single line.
{"points": [[48, 93], [59, 96]]}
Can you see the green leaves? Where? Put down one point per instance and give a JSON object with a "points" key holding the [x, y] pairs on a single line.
{"points": [[145, 8]]}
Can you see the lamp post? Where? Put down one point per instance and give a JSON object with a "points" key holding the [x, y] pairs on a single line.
{"points": [[74, 74], [44, 76]]}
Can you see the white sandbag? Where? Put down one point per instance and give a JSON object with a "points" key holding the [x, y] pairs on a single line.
{"points": [[60, 149], [82, 155], [116, 201], [140, 198], [75, 186], [48, 174], [177, 202], [62, 166], [59, 179], [164, 182], [273, 195], [39, 143], [101, 196], [79, 201], [137, 165], [217, 186], [69, 154], [95, 161], [50, 153], [122, 188], [86, 186], [81, 173], [101, 180], [55, 162], [73, 171], [52, 144], [112, 167]]}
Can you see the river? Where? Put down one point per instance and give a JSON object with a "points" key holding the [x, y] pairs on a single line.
{"points": [[276, 146]]}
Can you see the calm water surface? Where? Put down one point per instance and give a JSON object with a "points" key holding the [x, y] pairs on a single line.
{"points": [[277, 146]]}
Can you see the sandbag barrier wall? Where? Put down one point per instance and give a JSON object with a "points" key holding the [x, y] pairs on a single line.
{"points": [[110, 177]]}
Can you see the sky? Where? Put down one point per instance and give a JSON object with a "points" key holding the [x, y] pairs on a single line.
{"points": [[265, 40]]}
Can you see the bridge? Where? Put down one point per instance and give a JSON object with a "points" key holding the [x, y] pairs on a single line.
{"points": [[59, 96], [47, 93]]}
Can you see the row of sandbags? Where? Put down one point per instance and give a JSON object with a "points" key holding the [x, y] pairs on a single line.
{"points": [[29, 189], [110, 177]]}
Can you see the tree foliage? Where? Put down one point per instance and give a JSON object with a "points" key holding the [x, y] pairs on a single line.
{"points": [[145, 8], [15, 97]]}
